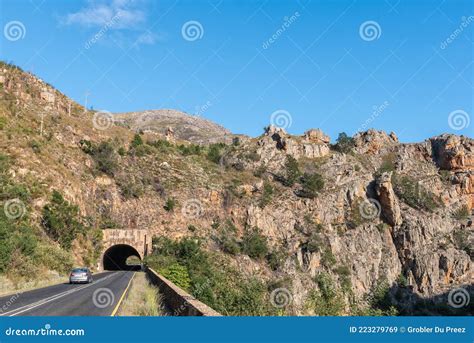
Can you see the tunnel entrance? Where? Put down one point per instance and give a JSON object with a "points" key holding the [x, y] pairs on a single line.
{"points": [[115, 258]]}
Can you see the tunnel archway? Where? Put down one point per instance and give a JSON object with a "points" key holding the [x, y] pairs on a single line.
{"points": [[115, 257]]}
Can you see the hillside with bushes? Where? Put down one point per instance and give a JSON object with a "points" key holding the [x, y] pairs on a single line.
{"points": [[272, 225]]}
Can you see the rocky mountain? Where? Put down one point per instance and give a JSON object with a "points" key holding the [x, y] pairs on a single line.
{"points": [[365, 223], [176, 124]]}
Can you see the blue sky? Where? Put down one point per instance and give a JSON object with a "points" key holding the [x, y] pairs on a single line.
{"points": [[309, 63]]}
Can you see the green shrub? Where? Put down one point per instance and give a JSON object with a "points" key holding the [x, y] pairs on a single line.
{"points": [[212, 281], [250, 299], [344, 144], [105, 158], [160, 144], [24, 240], [6, 246], [326, 301], [445, 176], [315, 242], [191, 149], [462, 242], [11, 190], [94, 244], [177, 274], [3, 123], [380, 301], [275, 259], [413, 194], [22, 267], [54, 258], [344, 278], [292, 171], [130, 187], [61, 220], [388, 164], [254, 244], [267, 194], [260, 170], [35, 146], [214, 153], [355, 217], [231, 246], [462, 213], [170, 204], [107, 223], [136, 141], [227, 240], [141, 150], [382, 227], [87, 146], [328, 259], [4, 164], [252, 156], [311, 184], [121, 151], [402, 280]]}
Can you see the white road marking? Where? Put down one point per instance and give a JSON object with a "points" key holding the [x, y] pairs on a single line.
{"points": [[51, 298]]}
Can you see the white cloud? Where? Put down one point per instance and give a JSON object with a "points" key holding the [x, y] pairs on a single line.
{"points": [[123, 21], [147, 38], [124, 14]]}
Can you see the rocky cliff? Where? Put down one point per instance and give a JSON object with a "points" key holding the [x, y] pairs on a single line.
{"points": [[371, 211]]}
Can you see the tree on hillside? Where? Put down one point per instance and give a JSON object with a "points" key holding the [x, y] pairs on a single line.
{"points": [[61, 220], [344, 144]]}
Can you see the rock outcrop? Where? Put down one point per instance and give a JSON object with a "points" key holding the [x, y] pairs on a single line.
{"points": [[373, 141], [456, 154], [272, 148], [388, 201]]}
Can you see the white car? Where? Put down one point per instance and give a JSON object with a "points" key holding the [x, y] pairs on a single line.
{"points": [[80, 275]]}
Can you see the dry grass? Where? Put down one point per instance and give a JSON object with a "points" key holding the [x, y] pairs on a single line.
{"points": [[8, 286], [142, 300]]}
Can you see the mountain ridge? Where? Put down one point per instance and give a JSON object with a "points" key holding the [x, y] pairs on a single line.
{"points": [[274, 211]]}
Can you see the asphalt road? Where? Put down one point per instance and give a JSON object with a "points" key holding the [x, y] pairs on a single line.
{"points": [[99, 298]]}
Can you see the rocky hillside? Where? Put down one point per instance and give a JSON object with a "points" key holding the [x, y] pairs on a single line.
{"points": [[177, 125], [285, 224]]}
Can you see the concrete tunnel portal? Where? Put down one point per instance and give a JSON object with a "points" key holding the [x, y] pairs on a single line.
{"points": [[115, 257]]}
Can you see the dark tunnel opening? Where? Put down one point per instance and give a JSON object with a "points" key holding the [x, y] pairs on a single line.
{"points": [[115, 258]]}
